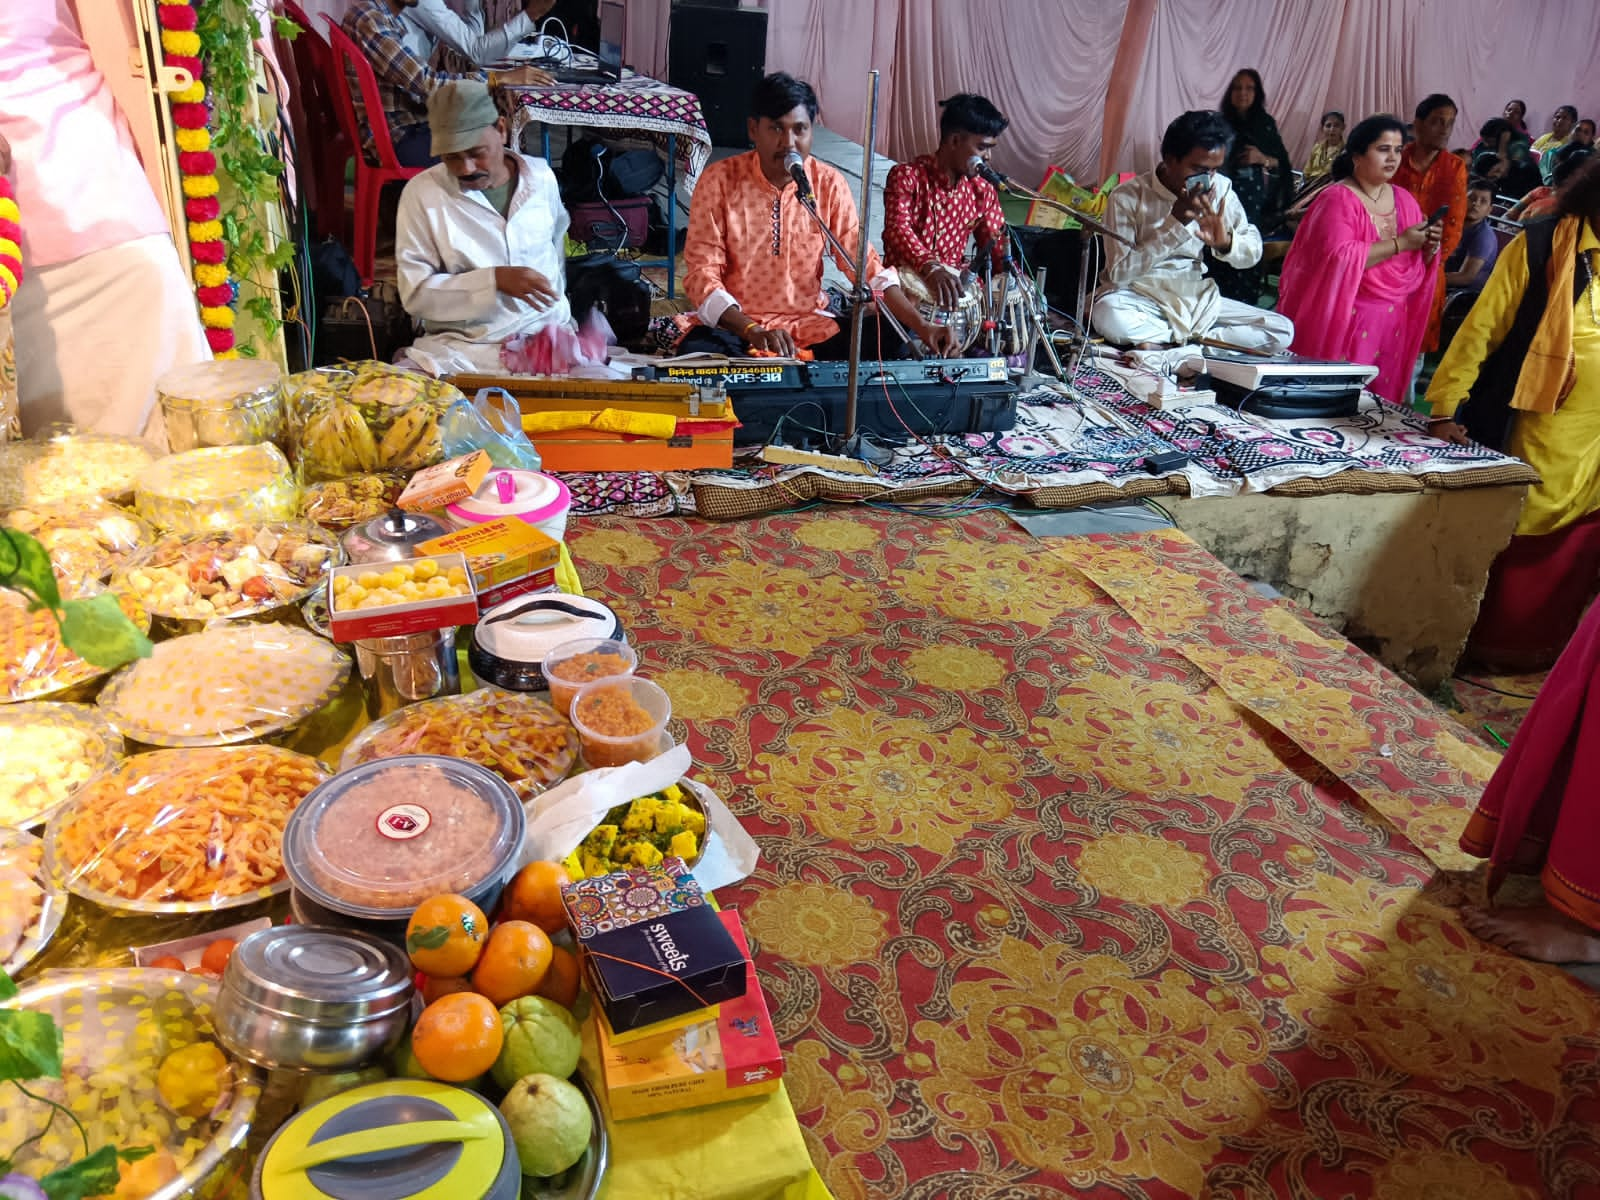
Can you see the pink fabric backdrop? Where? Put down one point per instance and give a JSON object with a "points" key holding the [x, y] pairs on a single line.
{"points": [[1049, 64]]}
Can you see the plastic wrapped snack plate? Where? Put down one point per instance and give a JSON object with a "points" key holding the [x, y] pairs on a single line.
{"points": [[34, 664], [520, 739], [228, 683], [180, 831], [252, 571], [365, 417], [118, 1028], [86, 540], [222, 402], [217, 488], [50, 749], [31, 902], [72, 466]]}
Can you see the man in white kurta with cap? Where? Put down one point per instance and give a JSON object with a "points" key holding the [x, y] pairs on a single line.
{"points": [[480, 240]]}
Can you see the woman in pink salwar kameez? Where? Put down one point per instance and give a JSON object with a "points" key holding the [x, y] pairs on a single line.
{"points": [[1357, 282]]}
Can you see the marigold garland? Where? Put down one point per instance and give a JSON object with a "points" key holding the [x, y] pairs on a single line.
{"points": [[10, 244], [214, 289]]}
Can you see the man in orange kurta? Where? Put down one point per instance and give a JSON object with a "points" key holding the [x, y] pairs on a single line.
{"points": [[754, 257], [1438, 179]]}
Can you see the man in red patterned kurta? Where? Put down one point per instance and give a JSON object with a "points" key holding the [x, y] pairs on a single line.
{"points": [[936, 208], [754, 260]]}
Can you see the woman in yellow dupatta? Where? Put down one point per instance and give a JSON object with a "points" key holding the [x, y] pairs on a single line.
{"points": [[1523, 375]]}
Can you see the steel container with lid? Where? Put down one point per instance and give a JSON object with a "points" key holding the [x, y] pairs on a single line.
{"points": [[310, 998], [375, 841], [224, 402], [391, 537], [510, 640], [394, 1140]]}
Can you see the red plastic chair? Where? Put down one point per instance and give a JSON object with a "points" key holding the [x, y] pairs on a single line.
{"points": [[371, 178], [323, 145]]}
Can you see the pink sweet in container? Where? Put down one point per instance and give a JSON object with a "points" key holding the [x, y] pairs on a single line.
{"points": [[582, 661], [621, 721]]}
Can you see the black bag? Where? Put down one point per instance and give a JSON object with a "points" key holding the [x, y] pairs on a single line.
{"points": [[1486, 414], [589, 166], [615, 287], [360, 327]]}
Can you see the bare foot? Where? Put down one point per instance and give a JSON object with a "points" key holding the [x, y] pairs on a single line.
{"points": [[1540, 933]]}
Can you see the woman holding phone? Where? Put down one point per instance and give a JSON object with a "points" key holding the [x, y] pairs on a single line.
{"points": [[1357, 282]]}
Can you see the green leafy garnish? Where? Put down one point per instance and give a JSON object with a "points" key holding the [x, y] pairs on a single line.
{"points": [[30, 1045], [96, 629]]}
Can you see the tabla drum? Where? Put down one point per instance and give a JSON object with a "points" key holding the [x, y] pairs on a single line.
{"points": [[965, 320]]}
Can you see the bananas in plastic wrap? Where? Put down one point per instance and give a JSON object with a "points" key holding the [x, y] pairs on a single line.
{"points": [[364, 417]]}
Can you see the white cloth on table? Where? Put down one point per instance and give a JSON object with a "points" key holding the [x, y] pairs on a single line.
{"points": [[448, 243], [1130, 319], [1165, 267], [94, 334]]}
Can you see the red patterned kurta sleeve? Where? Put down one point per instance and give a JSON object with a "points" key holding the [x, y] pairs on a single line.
{"points": [[903, 245]]}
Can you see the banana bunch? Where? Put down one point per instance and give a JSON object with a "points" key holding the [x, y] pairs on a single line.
{"points": [[335, 441], [413, 441]]}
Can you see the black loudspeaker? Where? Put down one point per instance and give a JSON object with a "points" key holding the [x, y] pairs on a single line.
{"points": [[720, 55]]}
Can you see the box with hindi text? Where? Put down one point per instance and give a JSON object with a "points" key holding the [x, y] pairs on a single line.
{"points": [[731, 1054], [507, 557], [652, 946]]}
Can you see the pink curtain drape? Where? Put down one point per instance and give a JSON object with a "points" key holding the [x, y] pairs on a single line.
{"points": [[1089, 85]]}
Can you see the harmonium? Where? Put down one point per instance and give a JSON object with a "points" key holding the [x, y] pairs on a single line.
{"points": [[619, 425], [805, 402]]}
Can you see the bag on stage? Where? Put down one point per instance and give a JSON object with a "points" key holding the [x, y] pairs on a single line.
{"points": [[615, 287]]}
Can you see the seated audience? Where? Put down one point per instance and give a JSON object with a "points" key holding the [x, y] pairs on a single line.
{"points": [[1540, 814], [1583, 133], [1358, 279], [466, 31], [1562, 123], [1178, 217], [1329, 143], [1523, 375], [1505, 156], [1541, 202], [1467, 270], [1436, 180], [938, 211], [1516, 115], [754, 257], [1262, 175], [480, 240], [399, 50]]}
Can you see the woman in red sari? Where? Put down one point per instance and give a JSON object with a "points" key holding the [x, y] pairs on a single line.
{"points": [[1541, 812], [1358, 280]]}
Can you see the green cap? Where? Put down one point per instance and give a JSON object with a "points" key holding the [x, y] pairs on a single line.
{"points": [[458, 113]]}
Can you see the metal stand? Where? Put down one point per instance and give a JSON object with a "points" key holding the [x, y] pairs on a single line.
{"points": [[859, 312]]}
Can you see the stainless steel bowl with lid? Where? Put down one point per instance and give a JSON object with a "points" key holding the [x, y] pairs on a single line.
{"points": [[391, 537], [310, 998]]}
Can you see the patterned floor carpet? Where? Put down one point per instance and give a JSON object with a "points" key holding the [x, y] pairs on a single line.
{"points": [[1088, 872]]}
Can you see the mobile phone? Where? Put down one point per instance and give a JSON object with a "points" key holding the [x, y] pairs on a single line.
{"points": [[1200, 181], [1439, 214]]}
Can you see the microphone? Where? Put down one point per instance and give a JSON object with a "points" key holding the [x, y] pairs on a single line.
{"points": [[985, 171], [797, 168]]}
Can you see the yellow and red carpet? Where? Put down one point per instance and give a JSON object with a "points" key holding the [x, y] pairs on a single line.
{"points": [[1088, 872]]}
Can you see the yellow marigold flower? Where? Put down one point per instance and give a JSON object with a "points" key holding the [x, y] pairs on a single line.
{"points": [[176, 41], [193, 94], [227, 354], [210, 274], [194, 140], [216, 317], [205, 231], [8, 209], [199, 186]]}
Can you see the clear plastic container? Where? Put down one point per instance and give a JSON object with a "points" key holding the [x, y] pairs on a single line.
{"points": [[609, 716], [575, 664], [217, 488], [223, 402], [379, 838]]}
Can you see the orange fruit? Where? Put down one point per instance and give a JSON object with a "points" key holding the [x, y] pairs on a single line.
{"points": [[457, 1037], [217, 954], [561, 980], [535, 895], [514, 963], [168, 962], [445, 935], [435, 986]]}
